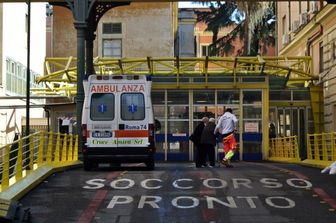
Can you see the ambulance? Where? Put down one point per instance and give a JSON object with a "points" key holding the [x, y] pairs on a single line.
{"points": [[117, 122]]}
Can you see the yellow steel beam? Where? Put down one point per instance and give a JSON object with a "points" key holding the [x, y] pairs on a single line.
{"points": [[61, 73]]}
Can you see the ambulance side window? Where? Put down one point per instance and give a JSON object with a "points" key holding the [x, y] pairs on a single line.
{"points": [[132, 106], [102, 107]]}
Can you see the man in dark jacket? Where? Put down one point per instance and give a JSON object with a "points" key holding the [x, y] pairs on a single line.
{"points": [[208, 141], [196, 139]]}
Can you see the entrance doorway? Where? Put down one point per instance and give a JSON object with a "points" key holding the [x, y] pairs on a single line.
{"points": [[293, 121]]}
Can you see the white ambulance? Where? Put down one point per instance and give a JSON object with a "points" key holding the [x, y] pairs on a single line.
{"points": [[118, 124]]}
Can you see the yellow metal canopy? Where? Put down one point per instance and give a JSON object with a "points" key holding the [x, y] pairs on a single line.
{"points": [[60, 75]]}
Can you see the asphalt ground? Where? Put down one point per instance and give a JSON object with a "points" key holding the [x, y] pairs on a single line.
{"points": [[259, 192]]}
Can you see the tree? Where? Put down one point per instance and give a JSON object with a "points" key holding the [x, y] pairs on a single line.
{"points": [[252, 22]]}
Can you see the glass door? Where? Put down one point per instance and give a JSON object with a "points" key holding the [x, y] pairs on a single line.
{"points": [[292, 122]]}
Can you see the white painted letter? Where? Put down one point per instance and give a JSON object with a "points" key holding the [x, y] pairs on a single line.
{"points": [[144, 184], [180, 187], [306, 183], [97, 184], [119, 200], [244, 182], [130, 183], [231, 203], [223, 183], [270, 184], [195, 202], [152, 203], [290, 202]]}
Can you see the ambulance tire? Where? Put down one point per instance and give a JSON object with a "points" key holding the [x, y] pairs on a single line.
{"points": [[150, 164], [87, 165]]}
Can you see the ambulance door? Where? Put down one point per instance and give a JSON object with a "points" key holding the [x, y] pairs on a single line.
{"points": [[133, 120], [103, 121]]}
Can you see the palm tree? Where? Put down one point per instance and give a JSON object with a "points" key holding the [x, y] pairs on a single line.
{"points": [[253, 22]]}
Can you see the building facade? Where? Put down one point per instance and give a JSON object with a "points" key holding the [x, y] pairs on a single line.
{"points": [[13, 55], [308, 29], [179, 102]]}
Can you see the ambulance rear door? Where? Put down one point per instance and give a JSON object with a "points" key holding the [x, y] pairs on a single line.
{"points": [[133, 118], [103, 121]]}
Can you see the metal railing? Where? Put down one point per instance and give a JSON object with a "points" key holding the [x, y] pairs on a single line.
{"points": [[285, 148], [28, 154], [321, 149]]}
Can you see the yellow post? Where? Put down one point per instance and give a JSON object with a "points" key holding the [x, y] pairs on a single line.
{"points": [[18, 172], [316, 154], [64, 149], [49, 149], [70, 150], [31, 152], [57, 148], [5, 171], [309, 147], [333, 148], [40, 149], [291, 147], [76, 148], [297, 154], [281, 147], [265, 121]]}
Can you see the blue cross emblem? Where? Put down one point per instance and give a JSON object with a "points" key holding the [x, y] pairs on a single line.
{"points": [[102, 108], [132, 108]]}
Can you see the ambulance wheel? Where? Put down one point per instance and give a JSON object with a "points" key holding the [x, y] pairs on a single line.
{"points": [[150, 164], [87, 165]]}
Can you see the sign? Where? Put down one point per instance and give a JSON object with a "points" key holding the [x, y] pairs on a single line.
{"points": [[251, 127], [107, 88]]}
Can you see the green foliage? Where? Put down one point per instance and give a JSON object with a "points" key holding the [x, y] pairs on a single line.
{"points": [[240, 17]]}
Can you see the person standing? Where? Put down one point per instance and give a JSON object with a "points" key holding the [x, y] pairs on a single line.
{"points": [[196, 139], [227, 125], [208, 141]]}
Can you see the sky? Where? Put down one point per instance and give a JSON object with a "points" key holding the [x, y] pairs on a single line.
{"points": [[190, 5]]}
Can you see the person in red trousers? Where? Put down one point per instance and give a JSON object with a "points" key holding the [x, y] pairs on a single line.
{"points": [[226, 126]]}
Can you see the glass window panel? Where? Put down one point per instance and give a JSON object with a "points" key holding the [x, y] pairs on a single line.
{"points": [[19, 71], [228, 97], [201, 111], [178, 97], [301, 95], [252, 97], [280, 95], [178, 112], [107, 52], [102, 107], [204, 97], [159, 111], [132, 106], [116, 52], [24, 73], [252, 112], [158, 97], [178, 127], [112, 48], [7, 66], [20, 87], [14, 86]]}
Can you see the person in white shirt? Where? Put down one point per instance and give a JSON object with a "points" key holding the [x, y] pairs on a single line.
{"points": [[226, 127]]}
